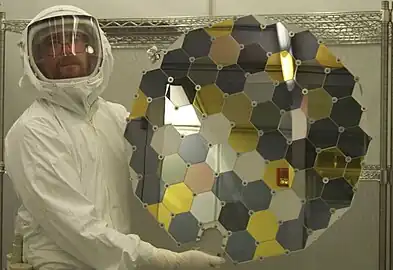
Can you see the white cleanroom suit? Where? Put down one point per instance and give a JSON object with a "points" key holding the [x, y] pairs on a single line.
{"points": [[67, 157]]}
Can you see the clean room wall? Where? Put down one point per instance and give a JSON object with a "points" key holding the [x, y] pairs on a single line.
{"points": [[356, 235]]}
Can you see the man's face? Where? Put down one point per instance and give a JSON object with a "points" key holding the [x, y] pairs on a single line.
{"points": [[64, 56]]}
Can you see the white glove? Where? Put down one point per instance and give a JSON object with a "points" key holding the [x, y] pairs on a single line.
{"points": [[167, 259], [187, 259]]}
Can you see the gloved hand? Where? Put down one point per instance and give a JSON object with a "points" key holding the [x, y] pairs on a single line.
{"points": [[167, 259], [188, 259]]}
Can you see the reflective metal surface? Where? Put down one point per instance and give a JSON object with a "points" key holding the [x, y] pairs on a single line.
{"points": [[221, 158], [231, 79], [292, 234], [339, 83], [324, 133], [308, 184], [248, 127], [257, 196], [203, 71], [176, 63], [241, 246], [286, 205], [234, 216], [354, 142], [250, 166], [153, 83], [199, 178], [166, 140], [346, 112], [193, 149], [182, 91], [224, 51], [200, 48], [228, 187], [216, 128], [273, 145], [253, 58], [173, 169], [184, 228], [259, 87], [206, 207]]}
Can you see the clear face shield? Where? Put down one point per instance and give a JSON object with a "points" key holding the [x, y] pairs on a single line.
{"points": [[65, 47]]}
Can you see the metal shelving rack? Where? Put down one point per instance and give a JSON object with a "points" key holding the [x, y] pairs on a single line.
{"points": [[334, 28]]}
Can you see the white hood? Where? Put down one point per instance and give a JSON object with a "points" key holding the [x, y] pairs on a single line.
{"points": [[78, 97]]}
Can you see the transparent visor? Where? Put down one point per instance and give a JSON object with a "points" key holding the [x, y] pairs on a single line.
{"points": [[65, 47]]}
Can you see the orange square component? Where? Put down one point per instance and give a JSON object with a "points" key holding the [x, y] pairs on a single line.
{"points": [[282, 177]]}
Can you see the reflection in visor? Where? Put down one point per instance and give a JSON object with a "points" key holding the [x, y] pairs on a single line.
{"points": [[65, 44], [65, 47]]}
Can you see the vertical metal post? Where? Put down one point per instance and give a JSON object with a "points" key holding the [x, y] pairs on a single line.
{"points": [[212, 5], [2, 131], [384, 263], [389, 154], [389, 148]]}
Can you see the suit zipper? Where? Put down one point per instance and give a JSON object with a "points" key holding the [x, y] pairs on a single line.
{"points": [[91, 123]]}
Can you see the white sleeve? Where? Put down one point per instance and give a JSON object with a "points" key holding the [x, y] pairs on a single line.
{"points": [[122, 114], [45, 178]]}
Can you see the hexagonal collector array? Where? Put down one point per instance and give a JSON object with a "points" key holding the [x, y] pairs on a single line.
{"points": [[252, 128]]}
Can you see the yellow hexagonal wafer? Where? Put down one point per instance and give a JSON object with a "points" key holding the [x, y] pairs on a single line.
{"points": [[139, 107], [161, 214], [178, 198], [317, 104], [326, 58], [281, 66], [353, 171], [331, 163], [268, 249], [263, 226], [220, 29], [209, 100], [244, 138]]}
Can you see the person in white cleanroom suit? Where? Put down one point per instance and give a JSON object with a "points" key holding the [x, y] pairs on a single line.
{"points": [[68, 159]]}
